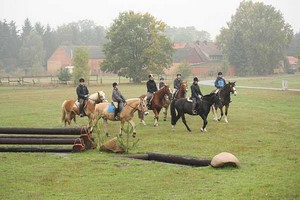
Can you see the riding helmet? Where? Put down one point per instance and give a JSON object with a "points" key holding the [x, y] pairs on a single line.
{"points": [[81, 80], [161, 78], [114, 84], [220, 73], [178, 74], [196, 79], [150, 75]]}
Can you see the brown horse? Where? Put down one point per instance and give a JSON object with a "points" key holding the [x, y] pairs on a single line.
{"points": [[224, 94], [70, 108], [106, 112], [157, 102]]}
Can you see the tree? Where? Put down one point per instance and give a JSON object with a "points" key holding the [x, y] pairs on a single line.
{"points": [[26, 29], [136, 46], [186, 34], [64, 75], [294, 48], [80, 62], [184, 70], [32, 54], [255, 39]]}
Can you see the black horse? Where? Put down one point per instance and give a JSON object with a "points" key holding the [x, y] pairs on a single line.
{"points": [[224, 94], [183, 106]]}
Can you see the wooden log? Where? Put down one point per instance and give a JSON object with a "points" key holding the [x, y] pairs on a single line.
{"points": [[35, 149], [43, 131], [182, 160], [36, 140]]}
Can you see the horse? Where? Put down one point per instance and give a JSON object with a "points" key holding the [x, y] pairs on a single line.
{"points": [[70, 108], [224, 94], [157, 100], [183, 106], [106, 112]]}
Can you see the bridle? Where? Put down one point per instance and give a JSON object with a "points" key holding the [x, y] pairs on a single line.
{"points": [[138, 107]]}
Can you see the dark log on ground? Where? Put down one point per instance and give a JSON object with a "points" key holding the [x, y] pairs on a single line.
{"points": [[36, 140], [173, 159], [35, 149], [43, 131]]}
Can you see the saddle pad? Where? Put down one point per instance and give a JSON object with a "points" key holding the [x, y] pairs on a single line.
{"points": [[111, 109]]}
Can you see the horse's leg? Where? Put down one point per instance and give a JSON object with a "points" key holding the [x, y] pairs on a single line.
{"points": [[141, 117], [155, 117], [105, 127], [221, 109], [165, 113], [226, 111], [204, 118], [213, 108], [184, 121], [133, 127], [121, 128]]}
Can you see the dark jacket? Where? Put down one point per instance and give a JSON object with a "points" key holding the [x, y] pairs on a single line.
{"points": [[117, 96], [151, 86], [81, 91], [195, 89], [161, 84], [177, 83], [220, 82]]}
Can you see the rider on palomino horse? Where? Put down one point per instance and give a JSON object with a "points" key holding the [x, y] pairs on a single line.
{"points": [[119, 99], [82, 94]]}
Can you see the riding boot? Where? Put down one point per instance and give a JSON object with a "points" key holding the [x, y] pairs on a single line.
{"points": [[81, 104], [116, 114]]}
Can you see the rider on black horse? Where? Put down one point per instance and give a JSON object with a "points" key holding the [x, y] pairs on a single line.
{"points": [[196, 95]]}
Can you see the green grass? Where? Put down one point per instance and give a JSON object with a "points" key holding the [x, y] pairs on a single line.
{"points": [[263, 133]]}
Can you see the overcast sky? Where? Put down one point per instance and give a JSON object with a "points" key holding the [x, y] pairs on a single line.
{"points": [[208, 15]]}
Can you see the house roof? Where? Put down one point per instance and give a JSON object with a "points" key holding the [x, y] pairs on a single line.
{"points": [[292, 60], [95, 52], [207, 48]]}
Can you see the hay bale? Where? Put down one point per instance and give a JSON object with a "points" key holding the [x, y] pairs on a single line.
{"points": [[224, 159], [112, 145]]}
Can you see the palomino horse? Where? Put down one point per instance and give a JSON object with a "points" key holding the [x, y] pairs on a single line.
{"points": [[156, 103], [70, 108], [224, 94], [106, 112], [183, 106]]}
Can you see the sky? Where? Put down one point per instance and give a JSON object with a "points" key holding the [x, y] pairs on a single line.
{"points": [[207, 15]]}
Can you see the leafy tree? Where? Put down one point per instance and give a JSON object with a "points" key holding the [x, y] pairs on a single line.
{"points": [[184, 70], [80, 62], [64, 75], [294, 48], [136, 46], [255, 39], [32, 54]]}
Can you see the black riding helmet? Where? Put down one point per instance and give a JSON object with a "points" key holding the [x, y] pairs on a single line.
{"points": [[161, 78], [114, 84], [81, 80], [196, 79], [178, 74], [220, 73]]}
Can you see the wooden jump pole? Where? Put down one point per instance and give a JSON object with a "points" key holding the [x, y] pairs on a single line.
{"points": [[43, 131]]}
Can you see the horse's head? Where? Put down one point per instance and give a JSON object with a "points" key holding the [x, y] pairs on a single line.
{"points": [[143, 104], [167, 90], [232, 88], [98, 97]]}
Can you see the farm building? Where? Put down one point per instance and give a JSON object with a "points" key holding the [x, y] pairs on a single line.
{"points": [[63, 55], [204, 58]]}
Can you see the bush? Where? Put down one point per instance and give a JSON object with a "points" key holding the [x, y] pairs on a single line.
{"points": [[64, 75]]}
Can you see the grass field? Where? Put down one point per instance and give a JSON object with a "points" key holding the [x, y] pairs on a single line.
{"points": [[263, 132]]}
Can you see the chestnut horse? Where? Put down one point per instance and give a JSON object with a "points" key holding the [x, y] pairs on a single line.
{"points": [[106, 112], [157, 101], [224, 94], [70, 108]]}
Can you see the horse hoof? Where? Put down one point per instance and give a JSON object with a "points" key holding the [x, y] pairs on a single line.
{"points": [[201, 129], [107, 134], [133, 135]]}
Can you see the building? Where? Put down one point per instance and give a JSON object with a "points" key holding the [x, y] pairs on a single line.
{"points": [[63, 55]]}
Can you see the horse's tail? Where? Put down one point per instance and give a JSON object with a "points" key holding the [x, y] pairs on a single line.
{"points": [[173, 112], [63, 112]]}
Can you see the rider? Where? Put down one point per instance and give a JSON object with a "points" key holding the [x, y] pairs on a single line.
{"points": [[177, 84], [161, 83], [151, 87], [219, 82], [196, 95], [119, 98], [82, 94]]}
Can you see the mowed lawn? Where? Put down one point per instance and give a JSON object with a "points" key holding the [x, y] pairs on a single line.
{"points": [[263, 133]]}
